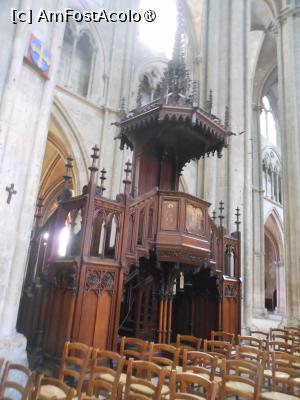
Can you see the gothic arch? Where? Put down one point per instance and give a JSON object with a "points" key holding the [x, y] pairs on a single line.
{"points": [[274, 265], [73, 141]]}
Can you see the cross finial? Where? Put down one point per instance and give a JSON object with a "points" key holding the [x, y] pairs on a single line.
{"points": [[237, 222], [127, 180], [10, 191], [102, 179], [221, 209]]}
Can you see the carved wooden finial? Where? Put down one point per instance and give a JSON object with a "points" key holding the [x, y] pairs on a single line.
{"points": [[210, 101], [221, 209], [196, 91], [38, 210], [102, 179], [139, 96], [122, 109], [227, 118], [237, 222], [127, 180], [68, 174], [94, 157], [214, 216]]}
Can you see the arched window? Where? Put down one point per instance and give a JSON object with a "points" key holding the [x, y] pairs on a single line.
{"points": [[66, 56], [267, 121], [82, 65], [272, 176], [76, 61]]}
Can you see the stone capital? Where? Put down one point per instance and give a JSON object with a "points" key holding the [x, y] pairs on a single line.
{"points": [[257, 107]]}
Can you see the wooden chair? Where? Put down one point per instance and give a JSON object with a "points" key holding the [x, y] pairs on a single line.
{"points": [[260, 335], [73, 366], [188, 342], [105, 373], [250, 341], [145, 378], [165, 355], [274, 345], [249, 353], [52, 389], [241, 378], [191, 386], [277, 331], [281, 347], [10, 385], [217, 348], [200, 363], [133, 348], [292, 329], [285, 376], [222, 336]]}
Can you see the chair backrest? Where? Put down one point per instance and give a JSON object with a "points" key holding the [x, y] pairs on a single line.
{"points": [[133, 348], [218, 348], [44, 381], [191, 386], [105, 373], [144, 377], [274, 345], [164, 355], [292, 329], [277, 331], [249, 353], [259, 334], [13, 374], [250, 341], [188, 342], [74, 363], [288, 366], [249, 372], [199, 362], [222, 336]]}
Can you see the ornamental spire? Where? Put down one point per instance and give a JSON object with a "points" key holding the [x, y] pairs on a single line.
{"points": [[178, 56]]}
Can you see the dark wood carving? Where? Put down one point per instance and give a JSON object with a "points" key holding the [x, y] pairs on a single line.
{"points": [[151, 263]]}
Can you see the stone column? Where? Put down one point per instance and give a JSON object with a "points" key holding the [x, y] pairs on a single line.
{"points": [[289, 89], [225, 71], [258, 216], [24, 116]]}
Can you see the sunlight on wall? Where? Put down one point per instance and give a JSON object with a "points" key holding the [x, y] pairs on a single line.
{"points": [[63, 241], [159, 35]]}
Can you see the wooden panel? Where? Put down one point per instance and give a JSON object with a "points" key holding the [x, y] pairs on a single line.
{"points": [[103, 321], [231, 307], [169, 215], [147, 174], [194, 219]]}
